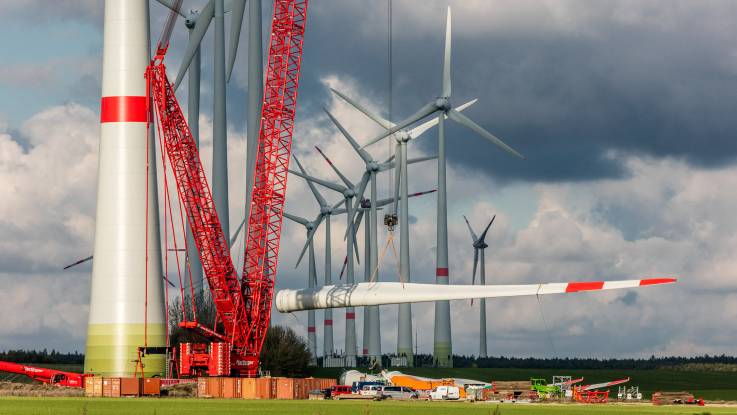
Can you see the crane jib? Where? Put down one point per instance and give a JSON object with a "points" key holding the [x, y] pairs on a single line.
{"points": [[243, 307]]}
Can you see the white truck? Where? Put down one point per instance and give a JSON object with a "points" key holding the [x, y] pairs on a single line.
{"points": [[445, 393]]}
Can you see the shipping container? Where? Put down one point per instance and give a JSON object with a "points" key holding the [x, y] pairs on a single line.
{"points": [[202, 387], [214, 388], [95, 389], [231, 388], [151, 387], [89, 386], [292, 388], [111, 387], [258, 388], [130, 387]]}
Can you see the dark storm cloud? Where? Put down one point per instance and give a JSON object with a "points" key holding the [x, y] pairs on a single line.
{"points": [[566, 100]]}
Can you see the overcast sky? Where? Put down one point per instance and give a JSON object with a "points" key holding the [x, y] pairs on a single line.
{"points": [[623, 109]]}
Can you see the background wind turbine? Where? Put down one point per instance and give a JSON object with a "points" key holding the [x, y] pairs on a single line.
{"points": [[443, 349], [326, 212], [310, 227], [349, 192], [479, 245], [402, 137], [372, 168]]}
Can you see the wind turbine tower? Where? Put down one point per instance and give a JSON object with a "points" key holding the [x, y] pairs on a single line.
{"points": [[479, 245], [443, 348], [127, 265]]}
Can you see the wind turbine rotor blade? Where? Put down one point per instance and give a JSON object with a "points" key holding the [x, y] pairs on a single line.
{"points": [[361, 190], [462, 119], [357, 224], [345, 180], [342, 270], [237, 232], [321, 200], [421, 159], [426, 110], [483, 234], [361, 152], [200, 28], [307, 245], [297, 219], [420, 129], [337, 205], [81, 261], [397, 181], [426, 192], [172, 5], [446, 58], [377, 119], [238, 9], [168, 282], [384, 202], [475, 265], [332, 186], [381, 293], [473, 234]]}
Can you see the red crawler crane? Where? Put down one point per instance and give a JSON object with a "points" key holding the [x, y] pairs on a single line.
{"points": [[243, 307]]}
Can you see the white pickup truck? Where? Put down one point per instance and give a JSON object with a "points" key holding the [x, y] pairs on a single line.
{"points": [[445, 393]]}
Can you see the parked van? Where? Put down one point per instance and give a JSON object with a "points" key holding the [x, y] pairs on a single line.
{"points": [[338, 390], [371, 390], [398, 392], [445, 393]]}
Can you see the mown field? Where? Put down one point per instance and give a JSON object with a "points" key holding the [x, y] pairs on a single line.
{"points": [[707, 385], [95, 406]]}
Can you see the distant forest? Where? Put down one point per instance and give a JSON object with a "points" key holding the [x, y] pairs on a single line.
{"points": [[41, 356], [44, 356]]}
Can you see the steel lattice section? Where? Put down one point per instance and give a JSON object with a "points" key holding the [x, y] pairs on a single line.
{"points": [[195, 194], [270, 178]]}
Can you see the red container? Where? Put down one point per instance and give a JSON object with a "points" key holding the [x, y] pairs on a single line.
{"points": [[111, 387], [130, 387], [231, 388], [151, 387]]}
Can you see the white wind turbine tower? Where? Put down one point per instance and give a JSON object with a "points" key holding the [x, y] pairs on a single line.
{"points": [[326, 212], [310, 227], [372, 325], [401, 190], [479, 245], [442, 344]]}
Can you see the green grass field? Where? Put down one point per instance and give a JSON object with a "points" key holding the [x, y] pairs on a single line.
{"points": [[706, 385], [95, 406]]}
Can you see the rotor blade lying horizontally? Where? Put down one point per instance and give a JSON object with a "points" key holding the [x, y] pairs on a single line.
{"points": [[381, 293]]}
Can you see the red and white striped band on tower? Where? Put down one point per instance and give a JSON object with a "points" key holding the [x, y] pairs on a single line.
{"points": [[123, 109]]}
